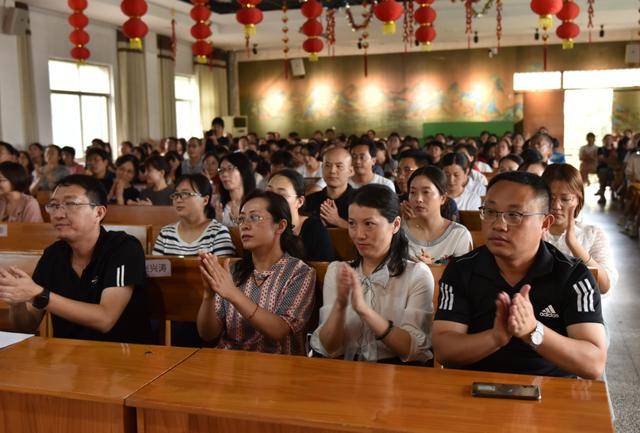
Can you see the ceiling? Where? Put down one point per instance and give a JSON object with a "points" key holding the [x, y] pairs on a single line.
{"points": [[619, 17]]}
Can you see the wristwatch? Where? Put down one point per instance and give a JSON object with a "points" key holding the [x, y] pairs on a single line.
{"points": [[536, 337], [42, 300]]}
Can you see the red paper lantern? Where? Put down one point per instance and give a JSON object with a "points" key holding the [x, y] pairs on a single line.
{"points": [[134, 8], [79, 37], [546, 9], [200, 13], [78, 20], [569, 11], [313, 46], [80, 53], [77, 5], [249, 17], [134, 28], [425, 2], [388, 11], [311, 9], [311, 28], [568, 30], [202, 49], [200, 31], [425, 35], [425, 15]]}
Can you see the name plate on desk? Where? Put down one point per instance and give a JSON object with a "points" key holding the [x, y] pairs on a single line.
{"points": [[4, 230], [158, 268]]}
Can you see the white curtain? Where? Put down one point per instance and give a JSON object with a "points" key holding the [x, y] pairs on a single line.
{"points": [[27, 88], [212, 83], [132, 112], [167, 87]]}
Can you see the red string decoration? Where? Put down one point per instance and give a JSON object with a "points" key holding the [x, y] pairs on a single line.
{"points": [[407, 24], [366, 15], [285, 38], [590, 13], [79, 37], [468, 9], [499, 21], [365, 46], [174, 39], [331, 32]]}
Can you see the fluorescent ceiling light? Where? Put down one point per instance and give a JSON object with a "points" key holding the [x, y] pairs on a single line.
{"points": [[533, 81], [603, 79]]}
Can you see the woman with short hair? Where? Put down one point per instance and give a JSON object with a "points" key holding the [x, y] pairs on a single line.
{"points": [[15, 204]]}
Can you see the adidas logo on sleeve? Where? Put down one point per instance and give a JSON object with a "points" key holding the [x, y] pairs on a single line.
{"points": [[549, 312]]}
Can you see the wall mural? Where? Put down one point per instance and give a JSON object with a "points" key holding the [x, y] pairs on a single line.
{"points": [[444, 86]]}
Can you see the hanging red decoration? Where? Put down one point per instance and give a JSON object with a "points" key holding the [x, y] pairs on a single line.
{"points": [[249, 16], [590, 14], [174, 39], [388, 11], [331, 31], [201, 30], [312, 28], [568, 30], [407, 24], [546, 9], [425, 16], [498, 22], [367, 15], [468, 18], [285, 37], [134, 28], [79, 37]]}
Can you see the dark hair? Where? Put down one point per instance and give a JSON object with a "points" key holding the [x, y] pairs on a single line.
{"points": [[200, 184], [296, 179], [30, 166], [531, 156], [157, 162], [289, 243], [536, 183], [252, 155], [242, 163], [455, 158], [365, 142], [16, 175], [57, 149], [380, 197], [172, 155], [282, 157], [132, 159], [38, 145], [98, 152], [12, 150], [421, 158], [513, 157], [217, 121], [313, 148], [70, 150], [435, 175], [93, 187], [435, 143]]}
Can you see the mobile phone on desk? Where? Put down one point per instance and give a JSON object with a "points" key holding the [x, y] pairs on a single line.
{"points": [[506, 390]]}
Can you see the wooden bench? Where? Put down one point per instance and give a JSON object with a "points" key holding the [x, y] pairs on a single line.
{"points": [[38, 236], [141, 215]]}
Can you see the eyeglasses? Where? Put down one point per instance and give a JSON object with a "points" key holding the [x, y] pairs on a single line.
{"points": [[183, 195], [227, 169], [511, 218], [68, 206], [252, 218]]}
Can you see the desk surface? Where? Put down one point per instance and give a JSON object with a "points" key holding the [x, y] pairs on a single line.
{"points": [[358, 396], [84, 370]]}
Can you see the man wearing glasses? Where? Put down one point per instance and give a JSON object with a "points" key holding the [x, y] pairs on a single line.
{"points": [[517, 304], [90, 280]]}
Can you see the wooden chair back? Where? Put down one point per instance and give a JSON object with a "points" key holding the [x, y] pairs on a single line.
{"points": [[38, 236], [342, 244], [471, 219], [140, 215], [478, 239]]}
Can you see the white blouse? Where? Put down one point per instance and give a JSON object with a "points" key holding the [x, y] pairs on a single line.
{"points": [[470, 197], [407, 300], [455, 241], [592, 239]]}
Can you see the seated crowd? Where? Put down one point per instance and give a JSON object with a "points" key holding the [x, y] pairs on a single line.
{"points": [[524, 302]]}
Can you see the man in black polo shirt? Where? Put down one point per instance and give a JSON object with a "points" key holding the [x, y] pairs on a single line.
{"points": [[91, 281], [332, 203], [517, 304]]}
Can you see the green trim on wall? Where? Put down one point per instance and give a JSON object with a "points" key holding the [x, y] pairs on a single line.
{"points": [[466, 129]]}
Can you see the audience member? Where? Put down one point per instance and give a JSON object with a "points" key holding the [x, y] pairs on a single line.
{"points": [[48, 175], [195, 151], [263, 302], [122, 191], [68, 154], [98, 167], [459, 188], [237, 181], [157, 192], [15, 204], [379, 307]]}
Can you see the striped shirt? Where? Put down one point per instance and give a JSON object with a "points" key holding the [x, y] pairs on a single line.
{"points": [[215, 238], [287, 290]]}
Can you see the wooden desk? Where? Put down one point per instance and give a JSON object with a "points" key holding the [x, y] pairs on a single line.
{"points": [[68, 386], [232, 391]]}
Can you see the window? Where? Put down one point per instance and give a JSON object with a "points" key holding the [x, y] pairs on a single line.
{"points": [[80, 104], [187, 107]]}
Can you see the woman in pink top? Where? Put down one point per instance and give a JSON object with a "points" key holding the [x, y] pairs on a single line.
{"points": [[15, 205]]}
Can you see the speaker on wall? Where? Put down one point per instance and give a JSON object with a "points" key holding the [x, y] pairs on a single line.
{"points": [[297, 67], [15, 21]]}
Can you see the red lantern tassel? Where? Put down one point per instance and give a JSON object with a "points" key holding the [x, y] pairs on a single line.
{"points": [[366, 66]]}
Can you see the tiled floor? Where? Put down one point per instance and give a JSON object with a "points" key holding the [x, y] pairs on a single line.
{"points": [[622, 313]]}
